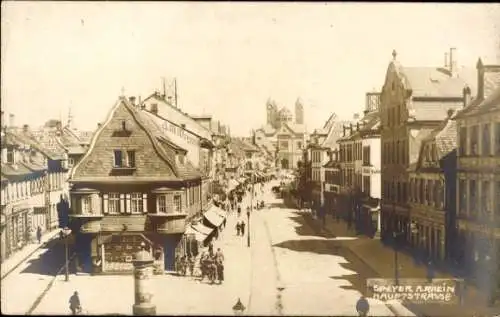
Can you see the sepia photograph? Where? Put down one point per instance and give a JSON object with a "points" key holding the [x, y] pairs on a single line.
{"points": [[250, 158]]}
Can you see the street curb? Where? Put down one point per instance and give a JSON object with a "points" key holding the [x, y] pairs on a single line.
{"points": [[51, 239], [279, 301], [40, 297], [352, 252]]}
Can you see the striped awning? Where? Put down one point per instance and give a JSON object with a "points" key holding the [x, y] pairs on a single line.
{"points": [[199, 231], [213, 216]]}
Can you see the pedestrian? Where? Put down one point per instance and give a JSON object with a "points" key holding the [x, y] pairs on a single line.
{"points": [[210, 248], [239, 210], [219, 261], [74, 303], [242, 228], [238, 228], [39, 234]]}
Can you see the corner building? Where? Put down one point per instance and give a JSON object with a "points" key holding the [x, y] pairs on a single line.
{"points": [[134, 185]]}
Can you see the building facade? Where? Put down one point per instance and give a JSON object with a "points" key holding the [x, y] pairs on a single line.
{"points": [[432, 194], [478, 181], [414, 102], [33, 182], [134, 185]]}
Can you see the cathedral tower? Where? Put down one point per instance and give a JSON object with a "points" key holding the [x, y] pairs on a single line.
{"points": [[299, 112]]}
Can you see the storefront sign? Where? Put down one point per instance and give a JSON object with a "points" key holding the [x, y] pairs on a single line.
{"points": [[119, 251]]}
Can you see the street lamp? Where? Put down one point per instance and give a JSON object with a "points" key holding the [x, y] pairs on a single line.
{"points": [[239, 308], [66, 232]]}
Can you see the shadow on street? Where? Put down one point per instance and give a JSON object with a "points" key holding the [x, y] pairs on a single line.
{"points": [[50, 261]]}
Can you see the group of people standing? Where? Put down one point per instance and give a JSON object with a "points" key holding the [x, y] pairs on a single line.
{"points": [[240, 228]]}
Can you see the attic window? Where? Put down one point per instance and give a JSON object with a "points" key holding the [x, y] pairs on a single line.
{"points": [[124, 125]]}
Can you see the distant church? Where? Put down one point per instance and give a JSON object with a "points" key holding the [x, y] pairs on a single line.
{"points": [[286, 135]]}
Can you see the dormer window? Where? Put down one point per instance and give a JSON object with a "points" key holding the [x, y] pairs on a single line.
{"points": [[124, 159]]}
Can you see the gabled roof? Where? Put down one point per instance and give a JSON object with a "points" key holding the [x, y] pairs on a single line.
{"points": [[445, 137], [178, 117], [431, 110], [334, 134], [51, 150], [435, 81], [167, 153]]}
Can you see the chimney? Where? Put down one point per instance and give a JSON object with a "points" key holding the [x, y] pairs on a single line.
{"points": [[11, 120], [99, 125], [466, 96], [343, 129], [446, 60], [26, 128], [453, 61], [132, 100], [350, 126], [450, 113], [480, 79]]}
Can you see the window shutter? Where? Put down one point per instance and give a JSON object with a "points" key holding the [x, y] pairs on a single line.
{"points": [[122, 203], [145, 203], [105, 203], [129, 209]]}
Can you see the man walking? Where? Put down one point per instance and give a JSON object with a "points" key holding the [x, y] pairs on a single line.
{"points": [[39, 234], [238, 228], [242, 228], [74, 303], [219, 262]]}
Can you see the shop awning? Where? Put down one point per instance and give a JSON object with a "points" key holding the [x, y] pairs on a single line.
{"points": [[219, 211], [199, 231], [213, 217]]}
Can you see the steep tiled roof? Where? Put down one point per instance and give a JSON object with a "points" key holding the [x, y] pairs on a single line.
{"points": [[50, 149], [181, 171], [445, 137], [334, 134], [436, 82], [153, 124], [431, 110], [418, 138], [492, 103], [176, 116]]}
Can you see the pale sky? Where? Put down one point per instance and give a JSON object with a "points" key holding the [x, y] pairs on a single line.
{"points": [[228, 58]]}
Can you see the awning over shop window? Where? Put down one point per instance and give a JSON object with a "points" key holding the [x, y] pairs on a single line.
{"points": [[199, 231], [213, 217], [219, 211], [232, 184]]}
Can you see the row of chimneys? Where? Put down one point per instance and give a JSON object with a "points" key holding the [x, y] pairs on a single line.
{"points": [[12, 123], [351, 127]]}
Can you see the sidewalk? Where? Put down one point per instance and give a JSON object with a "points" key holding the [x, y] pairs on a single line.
{"points": [[379, 258], [11, 263], [173, 295]]}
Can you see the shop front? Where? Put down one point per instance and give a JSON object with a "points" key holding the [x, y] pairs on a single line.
{"points": [[16, 230], [370, 215]]}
